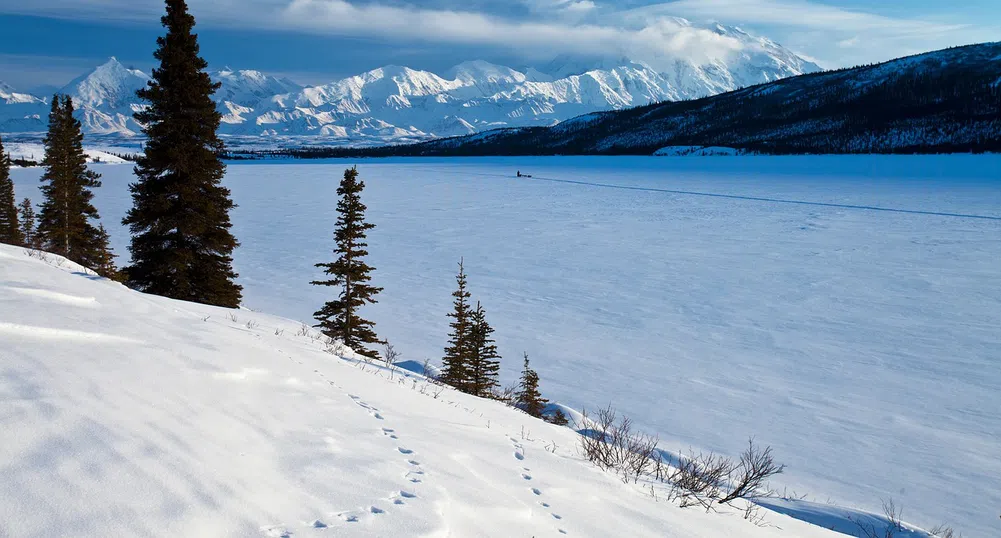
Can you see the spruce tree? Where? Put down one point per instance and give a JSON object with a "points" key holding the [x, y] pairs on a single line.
{"points": [[528, 398], [64, 221], [339, 319], [10, 230], [484, 363], [103, 260], [181, 242], [455, 364], [26, 213]]}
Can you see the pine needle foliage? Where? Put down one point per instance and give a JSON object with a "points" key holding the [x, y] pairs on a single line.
{"points": [[10, 229], [26, 214], [528, 398], [67, 217], [339, 319], [455, 364], [181, 241], [484, 361]]}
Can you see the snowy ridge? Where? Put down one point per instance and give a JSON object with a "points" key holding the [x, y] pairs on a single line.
{"points": [[397, 103], [179, 405], [940, 101]]}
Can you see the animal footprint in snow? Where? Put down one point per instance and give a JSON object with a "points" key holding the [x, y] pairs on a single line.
{"points": [[557, 516], [277, 532], [389, 433], [376, 510], [317, 524], [376, 415], [526, 476], [349, 517], [519, 455], [398, 497], [537, 491], [405, 451], [544, 505]]}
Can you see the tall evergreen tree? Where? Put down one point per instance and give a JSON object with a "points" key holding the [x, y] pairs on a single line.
{"points": [[10, 230], [484, 361], [339, 319], [26, 213], [528, 397], [65, 224], [455, 364], [181, 242]]}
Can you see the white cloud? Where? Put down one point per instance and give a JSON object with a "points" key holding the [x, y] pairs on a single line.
{"points": [[836, 35], [799, 13], [657, 39]]}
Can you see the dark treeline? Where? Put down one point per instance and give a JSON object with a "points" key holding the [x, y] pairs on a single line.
{"points": [[941, 102]]}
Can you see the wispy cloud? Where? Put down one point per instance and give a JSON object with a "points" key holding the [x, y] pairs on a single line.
{"points": [[656, 38], [536, 29], [843, 35]]}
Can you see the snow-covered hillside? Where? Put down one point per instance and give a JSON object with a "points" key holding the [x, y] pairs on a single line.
{"points": [[396, 103], [132, 415], [843, 310]]}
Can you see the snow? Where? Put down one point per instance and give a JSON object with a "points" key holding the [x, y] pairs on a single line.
{"points": [[133, 415], [36, 152], [472, 96], [843, 310]]}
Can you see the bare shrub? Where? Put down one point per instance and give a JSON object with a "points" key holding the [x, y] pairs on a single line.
{"points": [[755, 467], [252, 324], [232, 317], [699, 479], [610, 442], [893, 524], [943, 531], [390, 355]]}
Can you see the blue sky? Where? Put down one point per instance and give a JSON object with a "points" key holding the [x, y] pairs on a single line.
{"points": [[49, 42]]}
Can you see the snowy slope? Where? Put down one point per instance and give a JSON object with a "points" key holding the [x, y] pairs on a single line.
{"points": [[842, 309], [397, 103], [105, 98], [132, 415], [21, 112]]}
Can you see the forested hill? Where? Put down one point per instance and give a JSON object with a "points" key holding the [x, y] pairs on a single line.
{"points": [[944, 101]]}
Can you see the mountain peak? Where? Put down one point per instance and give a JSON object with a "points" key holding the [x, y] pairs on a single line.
{"points": [[476, 71], [110, 84]]}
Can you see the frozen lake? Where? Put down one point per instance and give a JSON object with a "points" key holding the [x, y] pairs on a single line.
{"points": [[845, 310]]}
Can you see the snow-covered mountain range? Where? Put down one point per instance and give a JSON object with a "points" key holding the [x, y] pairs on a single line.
{"points": [[399, 103]]}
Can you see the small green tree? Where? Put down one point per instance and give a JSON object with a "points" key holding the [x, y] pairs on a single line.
{"points": [[104, 258], [339, 319], [10, 229], [26, 212], [484, 361], [455, 364], [528, 398]]}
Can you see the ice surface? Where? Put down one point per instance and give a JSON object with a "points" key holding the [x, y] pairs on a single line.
{"points": [[844, 310]]}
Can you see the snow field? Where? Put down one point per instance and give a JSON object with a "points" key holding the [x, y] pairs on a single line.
{"points": [[843, 310], [133, 415]]}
